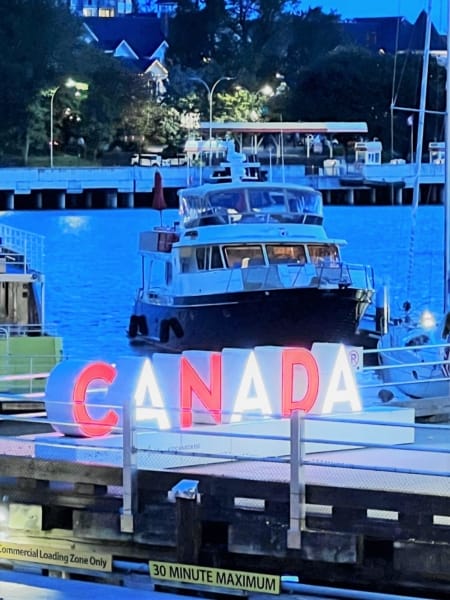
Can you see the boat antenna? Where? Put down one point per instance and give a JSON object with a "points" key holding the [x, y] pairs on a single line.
{"points": [[419, 143], [282, 150], [393, 94]]}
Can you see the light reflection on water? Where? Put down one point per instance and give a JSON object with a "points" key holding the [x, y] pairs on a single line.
{"points": [[93, 269]]}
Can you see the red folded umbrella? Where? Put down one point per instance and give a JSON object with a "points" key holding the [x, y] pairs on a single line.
{"points": [[158, 193]]}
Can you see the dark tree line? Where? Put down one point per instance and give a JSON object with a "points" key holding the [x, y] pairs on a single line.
{"points": [[315, 71]]}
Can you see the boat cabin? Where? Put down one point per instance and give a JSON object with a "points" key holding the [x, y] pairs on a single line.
{"points": [[238, 266], [271, 238]]}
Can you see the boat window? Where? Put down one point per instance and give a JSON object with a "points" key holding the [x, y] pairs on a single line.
{"points": [[260, 199], [232, 200], [305, 202], [168, 273], [209, 258], [276, 198], [323, 253], [186, 259], [156, 273], [243, 256], [216, 258], [201, 256], [281, 253]]}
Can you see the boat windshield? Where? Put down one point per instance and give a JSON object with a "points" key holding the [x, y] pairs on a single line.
{"points": [[298, 204]]}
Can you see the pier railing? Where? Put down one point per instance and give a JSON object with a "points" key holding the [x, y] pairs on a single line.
{"points": [[23, 249], [389, 421]]}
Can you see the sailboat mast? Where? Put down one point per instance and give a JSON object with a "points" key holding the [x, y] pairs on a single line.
{"points": [[447, 176], [419, 143], [422, 107]]}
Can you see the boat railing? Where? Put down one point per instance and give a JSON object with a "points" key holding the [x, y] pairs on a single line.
{"points": [[369, 445], [275, 276], [350, 275], [22, 248]]}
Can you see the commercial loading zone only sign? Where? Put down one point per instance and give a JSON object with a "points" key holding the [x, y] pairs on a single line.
{"points": [[224, 578]]}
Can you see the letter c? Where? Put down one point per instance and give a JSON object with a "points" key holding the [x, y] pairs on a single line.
{"points": [[89, 426]]}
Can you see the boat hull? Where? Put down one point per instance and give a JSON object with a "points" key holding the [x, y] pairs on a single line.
{"points": [[245, 320]]}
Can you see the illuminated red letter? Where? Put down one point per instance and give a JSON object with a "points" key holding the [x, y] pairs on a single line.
{"points": [[191, 383], [93, 427], [304, 358]]}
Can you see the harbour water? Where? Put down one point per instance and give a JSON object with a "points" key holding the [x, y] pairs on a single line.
{"points": [[93, 268]]}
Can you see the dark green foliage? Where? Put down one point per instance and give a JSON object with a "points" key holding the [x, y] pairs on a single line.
{"points": [[313, 70], [38, 39]]}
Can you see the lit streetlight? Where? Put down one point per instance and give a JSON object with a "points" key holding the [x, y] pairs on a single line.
{"points": [[210, 91], [70, 83]]}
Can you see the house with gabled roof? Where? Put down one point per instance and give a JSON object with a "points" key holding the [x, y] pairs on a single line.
{"points": [[137, 40], [394, 34], [101, 8]]}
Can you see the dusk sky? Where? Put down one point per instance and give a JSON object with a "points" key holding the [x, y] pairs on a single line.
{"points": [[384, 8]]}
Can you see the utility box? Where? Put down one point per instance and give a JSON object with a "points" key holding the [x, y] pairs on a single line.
{"points": [[368, 153]]}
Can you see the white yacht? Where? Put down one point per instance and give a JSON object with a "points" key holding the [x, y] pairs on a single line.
{"points": [[247, 263]]}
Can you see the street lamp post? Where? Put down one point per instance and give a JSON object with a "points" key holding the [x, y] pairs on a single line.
{"points": [[210, 91], [52, 99], [70, 83]]}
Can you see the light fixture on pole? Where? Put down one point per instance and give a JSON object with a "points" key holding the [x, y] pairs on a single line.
{"points": [[70, 83], [210, 91], [52, 98]]}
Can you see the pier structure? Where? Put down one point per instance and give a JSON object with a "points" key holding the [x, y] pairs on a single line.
{"points": [[132, 187], [353, 499]]}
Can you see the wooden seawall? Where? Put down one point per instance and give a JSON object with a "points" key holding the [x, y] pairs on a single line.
{"points": [[369, 521]]}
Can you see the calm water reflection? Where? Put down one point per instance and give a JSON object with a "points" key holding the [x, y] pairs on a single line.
{"points": [[93, 269]]}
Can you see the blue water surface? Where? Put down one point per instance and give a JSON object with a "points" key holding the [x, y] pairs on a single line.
{"points": [[93, 268]]}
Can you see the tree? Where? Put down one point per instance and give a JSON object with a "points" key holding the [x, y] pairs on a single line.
{"points": [[348, 84], [39, 39], [113, 90], [196, 50], [352, 84]]}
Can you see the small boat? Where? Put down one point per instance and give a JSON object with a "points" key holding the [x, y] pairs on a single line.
{"points": [[245, 264], [28, 351], [352, 180], [414, 348], [414, 355], [383, 183]]}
